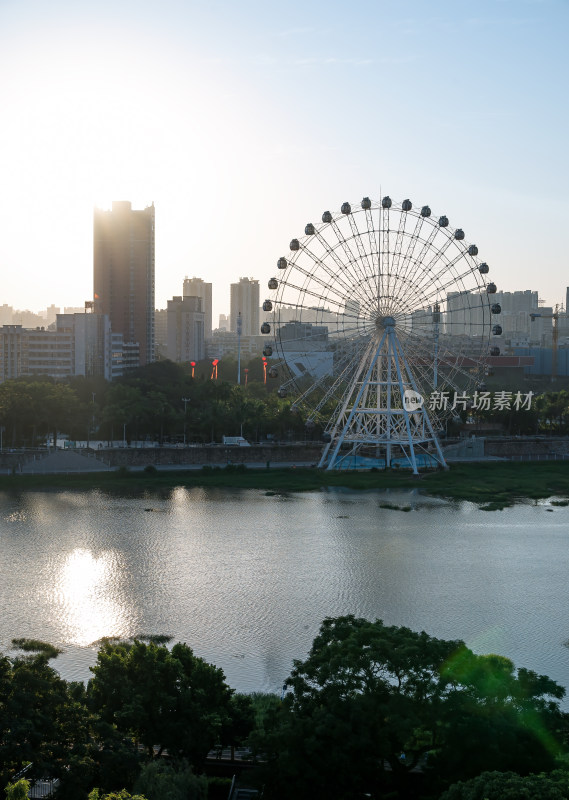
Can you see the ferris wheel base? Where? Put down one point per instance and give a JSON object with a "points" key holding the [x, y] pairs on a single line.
{"points": [[355, 460], [383, 414]]}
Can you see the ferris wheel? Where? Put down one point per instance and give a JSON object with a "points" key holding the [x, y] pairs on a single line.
{"points": [[379, 316]]}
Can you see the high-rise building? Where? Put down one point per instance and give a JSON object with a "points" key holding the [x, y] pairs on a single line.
{"points": [[160, 333], [123, 273], [196, 287], [245, 301], [185, 329]]}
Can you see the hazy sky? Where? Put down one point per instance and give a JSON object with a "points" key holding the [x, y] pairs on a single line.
{"points": [[244, 120]]}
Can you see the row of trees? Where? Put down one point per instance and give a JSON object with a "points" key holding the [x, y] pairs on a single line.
{"points": [[143, 700], [162, 401], [373, 710], [157, 402]]}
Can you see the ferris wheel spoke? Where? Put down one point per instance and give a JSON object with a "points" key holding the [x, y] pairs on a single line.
{"points": [[341, 276], [374, 251], [412, 241], [305, 335], [336, 276], [393, 273], [343, 242], [428, 266], [425, 249], [333, 389], [352, 259], [321, 292], [406, 275], [439, 291], [448, 276], [432, 275], [385, 265], [357, 237]]}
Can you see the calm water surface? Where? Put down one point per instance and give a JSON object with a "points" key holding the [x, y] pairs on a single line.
{"points": [[246, 578]]}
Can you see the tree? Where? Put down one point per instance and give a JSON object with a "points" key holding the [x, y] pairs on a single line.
{"points": [[370, 696], [510, 786], [41, 721], [122, 795], [125, 406], [163, 699], [61, 410], [159, 780], [497, 718], [18, 790], [16, 410]]}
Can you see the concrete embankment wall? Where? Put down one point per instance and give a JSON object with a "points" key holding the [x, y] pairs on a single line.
{"points": [[211, 454], [526, 447], [208, 454], [513, 448]]}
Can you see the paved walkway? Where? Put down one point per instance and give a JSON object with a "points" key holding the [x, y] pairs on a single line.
{"points": [[63, 461]]}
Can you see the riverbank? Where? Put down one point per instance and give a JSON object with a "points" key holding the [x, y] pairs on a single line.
{"points": [[491, 484]]}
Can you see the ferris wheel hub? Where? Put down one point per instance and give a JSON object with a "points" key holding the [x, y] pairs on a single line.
{"points": [[385, 322]]}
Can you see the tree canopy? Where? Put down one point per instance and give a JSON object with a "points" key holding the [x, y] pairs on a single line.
{"points": [[372, 703], [164, 699], [510, 786]]}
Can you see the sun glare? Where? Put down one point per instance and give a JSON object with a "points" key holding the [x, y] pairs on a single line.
{"points": [[89, 603]]}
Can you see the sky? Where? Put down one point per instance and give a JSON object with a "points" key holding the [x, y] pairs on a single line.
{"points": [[243, 121]]}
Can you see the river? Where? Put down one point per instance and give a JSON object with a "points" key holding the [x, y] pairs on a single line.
{"points": [[245, 577]]}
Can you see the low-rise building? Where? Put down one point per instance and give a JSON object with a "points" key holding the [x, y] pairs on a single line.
{"points": [[79, 344]]}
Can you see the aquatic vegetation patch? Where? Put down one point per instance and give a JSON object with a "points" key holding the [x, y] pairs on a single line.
{"points": [[36, 646]]}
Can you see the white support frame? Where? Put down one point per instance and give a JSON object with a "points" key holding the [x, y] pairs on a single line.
{"points": [[374, 413]]}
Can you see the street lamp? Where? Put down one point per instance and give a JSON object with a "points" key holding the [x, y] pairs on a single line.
{"points": [[185, 401], [93, 395], [239, 330]]}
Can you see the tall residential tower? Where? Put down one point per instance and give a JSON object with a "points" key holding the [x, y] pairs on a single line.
{"points": [[123, 273], [244, 300], [197, 287]]}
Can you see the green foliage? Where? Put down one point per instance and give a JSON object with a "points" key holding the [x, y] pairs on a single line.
{"points": [[18, 790], [369, 692], [235, 468], [159, 780], [168, 699], [36, 646], [510, 786], [41, 716], [122, 795], [265, 707], [155, 638], [218, 788]]}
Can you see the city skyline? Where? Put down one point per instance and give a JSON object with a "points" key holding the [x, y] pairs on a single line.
{"points": [[244, 123]]}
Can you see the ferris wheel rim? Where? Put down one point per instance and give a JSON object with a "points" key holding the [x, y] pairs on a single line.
{"points": [[412, 275]]}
